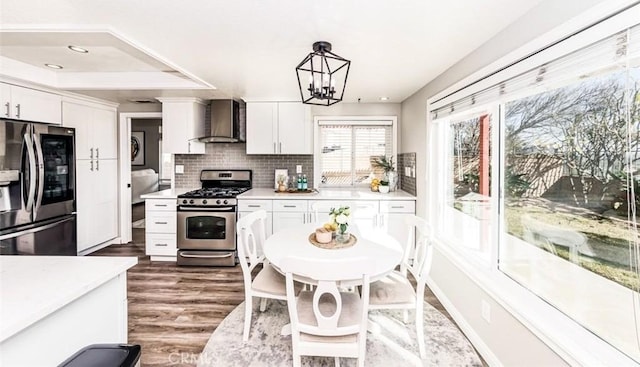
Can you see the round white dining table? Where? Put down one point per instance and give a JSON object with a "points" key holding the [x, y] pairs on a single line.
{"points": [[384, 252]]}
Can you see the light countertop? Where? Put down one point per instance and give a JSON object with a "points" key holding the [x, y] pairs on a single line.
{"points": [[33, 287], [168, 193], [327, 194]]}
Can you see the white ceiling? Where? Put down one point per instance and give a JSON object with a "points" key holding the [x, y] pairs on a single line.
{"points": [[247, 48]]}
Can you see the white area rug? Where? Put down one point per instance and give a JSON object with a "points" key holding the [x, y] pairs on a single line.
{"points": [[395, 345], [138, 224]]}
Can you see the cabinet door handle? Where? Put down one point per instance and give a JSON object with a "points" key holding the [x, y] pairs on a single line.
{"points": [[304, 218], [161, 244], [288, 206], [97, 165], [91, 153], [97, 153], [253, 206], [280, 147], [161, 205], [18, 111], [274, 147], [91, 166], [161, 222], [8, 111], [397, 207]]}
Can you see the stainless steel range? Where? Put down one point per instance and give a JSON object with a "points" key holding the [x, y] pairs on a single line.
{"points": [[207, 218]]}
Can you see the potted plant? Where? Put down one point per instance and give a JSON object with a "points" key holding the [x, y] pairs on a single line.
{"points": [[384, 187], [390, 175]]}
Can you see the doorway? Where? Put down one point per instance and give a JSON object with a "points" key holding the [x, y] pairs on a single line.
{"points": [[144, 157]]}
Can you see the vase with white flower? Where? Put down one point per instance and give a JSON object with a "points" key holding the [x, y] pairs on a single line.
{"points": [[340, 217]]}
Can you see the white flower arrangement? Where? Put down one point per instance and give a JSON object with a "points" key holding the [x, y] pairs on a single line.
{"points": [[340, 217]]}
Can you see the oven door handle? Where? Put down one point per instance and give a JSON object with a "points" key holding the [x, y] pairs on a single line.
{"points": [[198, 256], [220, 209]]}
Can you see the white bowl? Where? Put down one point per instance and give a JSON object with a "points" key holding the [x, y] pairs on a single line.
{"points": [[383, 189]]}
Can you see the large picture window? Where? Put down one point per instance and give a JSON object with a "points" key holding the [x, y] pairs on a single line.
{"points": [[549, 186]]}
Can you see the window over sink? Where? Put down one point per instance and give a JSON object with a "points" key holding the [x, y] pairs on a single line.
{"points": [[347, 147]]}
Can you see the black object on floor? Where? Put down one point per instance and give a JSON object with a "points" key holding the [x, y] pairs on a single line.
{"points": [[105, 355]]}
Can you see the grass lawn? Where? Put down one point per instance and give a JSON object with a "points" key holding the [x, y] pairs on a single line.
{"points": [[610, 234]]}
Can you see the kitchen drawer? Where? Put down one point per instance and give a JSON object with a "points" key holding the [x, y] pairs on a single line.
{"points": [[254, 205], [398, 206], [289, 205], [363, 208], [164, 205], [161, 244], [161, 222]]}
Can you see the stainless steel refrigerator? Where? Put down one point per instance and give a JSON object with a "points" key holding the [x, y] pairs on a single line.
{"points": [[37, 189]]}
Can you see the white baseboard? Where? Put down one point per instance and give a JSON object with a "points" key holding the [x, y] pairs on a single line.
{"points": [[97, 247], [482, 348]]}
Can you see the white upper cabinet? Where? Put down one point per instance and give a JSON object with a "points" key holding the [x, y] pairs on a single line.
{"points": [[262, 122], [96, 130], [279, 128], [30, 104], [182, 124]]}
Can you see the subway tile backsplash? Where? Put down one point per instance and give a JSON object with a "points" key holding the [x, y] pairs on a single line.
{"points": [[234, 156], [407, 183]]}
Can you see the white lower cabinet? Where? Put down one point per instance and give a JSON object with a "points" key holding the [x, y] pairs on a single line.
{"points": [[392, 216], [160, 229], [248, 206], [367, 214], [290, 213]]}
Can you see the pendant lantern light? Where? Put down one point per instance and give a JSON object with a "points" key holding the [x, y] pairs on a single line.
{"points": [[322, 76]]}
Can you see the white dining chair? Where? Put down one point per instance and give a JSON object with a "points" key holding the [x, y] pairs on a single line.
{"points": [[268, 283], [327, 322], [395, 291]]}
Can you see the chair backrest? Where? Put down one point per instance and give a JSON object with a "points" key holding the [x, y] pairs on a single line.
{"points": [[327, 299], [420, 246], [251, 233]]}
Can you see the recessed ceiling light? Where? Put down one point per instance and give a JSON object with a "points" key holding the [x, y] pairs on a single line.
{"points": [[384, 98], [53, 66], [78, 49]]}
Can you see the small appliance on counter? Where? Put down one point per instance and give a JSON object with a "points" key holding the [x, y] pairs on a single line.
{"points": [[207, 218]]}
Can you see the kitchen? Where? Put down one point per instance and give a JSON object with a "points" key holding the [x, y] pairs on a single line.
{"points": [[103, 219]]}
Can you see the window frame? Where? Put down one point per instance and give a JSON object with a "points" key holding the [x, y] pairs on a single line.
{"points": [[319, 121], [564, 336]]}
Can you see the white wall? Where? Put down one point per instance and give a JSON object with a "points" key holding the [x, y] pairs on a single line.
{"points": [[504, 340]]}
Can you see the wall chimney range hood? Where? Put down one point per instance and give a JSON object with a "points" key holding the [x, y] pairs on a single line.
{"points": [[228, 122]]}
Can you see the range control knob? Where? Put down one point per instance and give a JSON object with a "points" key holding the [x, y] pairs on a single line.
{"points": [[218, 201], [191, 201], [226, 201], [184, 201], [204, 201]]}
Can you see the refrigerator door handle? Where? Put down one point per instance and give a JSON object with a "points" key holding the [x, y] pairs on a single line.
{"points": [[35, 229], [40, 157], [32, 169]]}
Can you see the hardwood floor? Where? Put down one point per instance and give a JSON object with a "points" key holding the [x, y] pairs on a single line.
{"points": [[173, 310]]}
